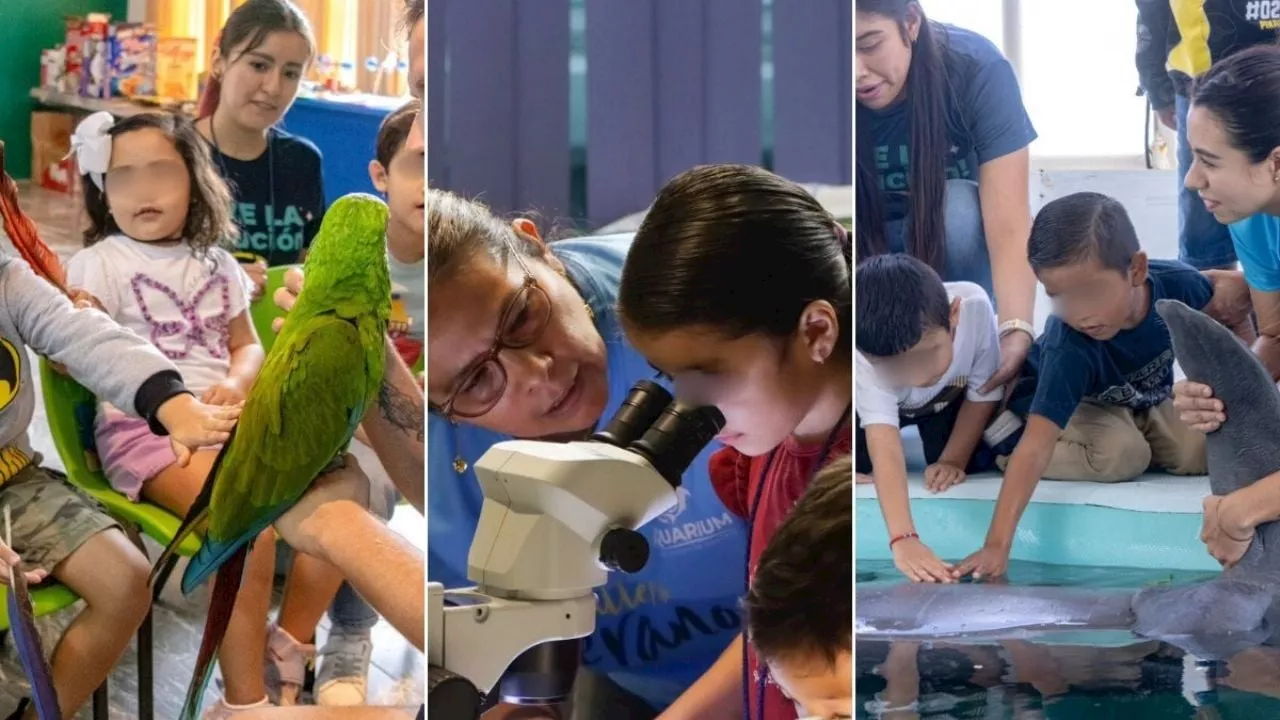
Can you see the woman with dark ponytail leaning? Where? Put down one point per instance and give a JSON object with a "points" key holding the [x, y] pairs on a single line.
{"points": [[942, 151], [738, 286]]}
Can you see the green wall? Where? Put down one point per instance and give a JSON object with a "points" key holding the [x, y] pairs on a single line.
{"points": [[26, 28]]}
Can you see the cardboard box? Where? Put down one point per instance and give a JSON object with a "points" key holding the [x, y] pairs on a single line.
{"points": [[133, 60], [70, 80], [176, 69], [95, 75], [50, 145]]}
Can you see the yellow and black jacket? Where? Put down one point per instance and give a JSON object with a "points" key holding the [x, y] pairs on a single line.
{"points": [[1179, 39]]}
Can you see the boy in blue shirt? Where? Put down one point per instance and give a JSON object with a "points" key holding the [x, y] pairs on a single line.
{"points": [[1096, 389]]}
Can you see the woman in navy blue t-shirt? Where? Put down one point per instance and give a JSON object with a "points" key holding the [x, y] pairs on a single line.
{"points": [[276, 178], [943, 160]]}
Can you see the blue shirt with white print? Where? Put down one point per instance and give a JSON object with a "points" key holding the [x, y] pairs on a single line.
{"points": [[656, 631], [1134, 369], [279, 197]]}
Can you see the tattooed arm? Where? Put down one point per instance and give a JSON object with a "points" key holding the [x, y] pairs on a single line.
{"points": [[396, 428]]}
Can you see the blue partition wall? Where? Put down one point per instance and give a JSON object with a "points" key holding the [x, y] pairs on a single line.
{"points": [[582, 109]]}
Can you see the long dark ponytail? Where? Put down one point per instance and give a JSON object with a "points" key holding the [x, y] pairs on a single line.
{"points": [[926, 89]]}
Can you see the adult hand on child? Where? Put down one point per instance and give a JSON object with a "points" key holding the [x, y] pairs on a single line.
{"points": [[942, 475], [919, 563], [1197, 407], [227, 392], [193, 424], [988, 563], [1226, 539], [287, 295], [1014, 347], [11, 560]]}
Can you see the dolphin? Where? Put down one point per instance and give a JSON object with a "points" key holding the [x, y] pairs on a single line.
{"points": [[1213, 619]]}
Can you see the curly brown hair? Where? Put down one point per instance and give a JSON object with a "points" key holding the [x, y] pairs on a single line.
{"points": [[209, 220]]}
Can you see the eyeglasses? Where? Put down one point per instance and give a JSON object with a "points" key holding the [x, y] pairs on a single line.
{"points": [[523, 320]]}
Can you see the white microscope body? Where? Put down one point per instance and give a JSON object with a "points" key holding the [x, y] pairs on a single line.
{"points": [[556, 518]]}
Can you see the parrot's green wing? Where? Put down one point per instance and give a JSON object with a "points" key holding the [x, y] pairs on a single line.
{"points": [[304, 408]]}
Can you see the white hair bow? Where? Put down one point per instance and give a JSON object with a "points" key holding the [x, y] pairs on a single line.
{"points": [[92, 146]]}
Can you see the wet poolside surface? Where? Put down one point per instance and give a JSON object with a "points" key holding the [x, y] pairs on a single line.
{"points": [[1070, 675]]}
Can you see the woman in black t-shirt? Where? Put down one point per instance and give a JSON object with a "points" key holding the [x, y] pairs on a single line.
{"points": [[277, 179]]}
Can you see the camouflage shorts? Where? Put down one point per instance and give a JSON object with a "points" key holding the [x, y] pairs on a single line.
{"points": [[51, 518]]}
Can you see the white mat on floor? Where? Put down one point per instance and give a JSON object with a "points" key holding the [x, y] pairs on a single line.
{"points": [[1151, 493]]}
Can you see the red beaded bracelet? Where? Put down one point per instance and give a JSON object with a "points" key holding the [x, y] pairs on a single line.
{"points": [[903, 536]]}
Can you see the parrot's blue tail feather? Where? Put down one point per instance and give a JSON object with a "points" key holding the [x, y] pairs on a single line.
{"points": [[223, 601], [213, 553], [30, 652]]}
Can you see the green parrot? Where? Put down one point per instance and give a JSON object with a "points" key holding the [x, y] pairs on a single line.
{"points": [[322, 373]]}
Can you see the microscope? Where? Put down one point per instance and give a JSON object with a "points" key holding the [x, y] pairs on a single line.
{"points": [[556, 519]]}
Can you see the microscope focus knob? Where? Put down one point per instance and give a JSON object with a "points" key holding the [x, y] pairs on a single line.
{"points": [[451, 696], [624, 549]]}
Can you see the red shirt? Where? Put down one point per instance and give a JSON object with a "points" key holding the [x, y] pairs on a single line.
{"points": [[736, 479]]}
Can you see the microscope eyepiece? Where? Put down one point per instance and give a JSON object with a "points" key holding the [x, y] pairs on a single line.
{"points": [[676, 438], [643, 405]]}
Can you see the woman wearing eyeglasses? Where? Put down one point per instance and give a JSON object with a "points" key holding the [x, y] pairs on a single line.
{"points": [[523, 341]]}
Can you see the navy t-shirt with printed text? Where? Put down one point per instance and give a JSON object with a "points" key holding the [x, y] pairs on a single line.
{"points": [[279, 197], [985, 117], [1134, 369]]}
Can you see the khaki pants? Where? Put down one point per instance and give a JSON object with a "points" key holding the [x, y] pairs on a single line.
{"points": [[1107, 443]]}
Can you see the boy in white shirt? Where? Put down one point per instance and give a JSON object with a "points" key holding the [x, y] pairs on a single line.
{"points": [[925, 350]]}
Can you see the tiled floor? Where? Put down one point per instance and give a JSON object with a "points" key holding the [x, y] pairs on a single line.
{"points": [[396, 677]]}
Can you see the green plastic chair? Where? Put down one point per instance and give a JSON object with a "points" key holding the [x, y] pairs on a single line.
{"points": [[265, 311], [71, 408]]}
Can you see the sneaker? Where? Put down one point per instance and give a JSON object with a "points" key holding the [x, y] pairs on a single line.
{"points": [[343, 677], [224, 710], [286, 666]]}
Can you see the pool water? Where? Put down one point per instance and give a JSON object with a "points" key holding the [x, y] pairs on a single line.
{"points": [[1076, 676]]}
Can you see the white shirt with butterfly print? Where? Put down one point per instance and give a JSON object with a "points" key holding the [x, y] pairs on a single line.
{"points": [[183, 304]]}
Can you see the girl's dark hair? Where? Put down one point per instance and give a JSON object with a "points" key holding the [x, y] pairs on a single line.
{"points": [[209, 220], [927, 183], [736, 248], [1243, 91], [251, 23]]}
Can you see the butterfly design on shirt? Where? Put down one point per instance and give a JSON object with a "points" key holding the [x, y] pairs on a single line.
{"points": [[179, 325]]}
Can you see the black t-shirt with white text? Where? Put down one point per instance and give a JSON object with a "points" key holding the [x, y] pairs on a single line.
{"points": [[279, 197]]}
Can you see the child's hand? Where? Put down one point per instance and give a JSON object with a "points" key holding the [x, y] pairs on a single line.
{"points": [[941, 476], [918, 562], [422, 381], [1197, 407], [257, 272], [193, 424], [84, 300], [227, 392], [286, 296], [990, 562], [11, 560]]}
